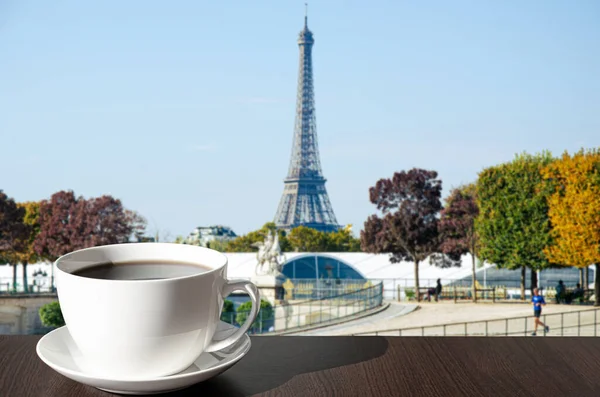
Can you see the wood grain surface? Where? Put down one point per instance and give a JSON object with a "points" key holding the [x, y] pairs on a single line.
{"points": [[359, 366]]}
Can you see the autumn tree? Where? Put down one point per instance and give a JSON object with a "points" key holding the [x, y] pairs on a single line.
{"points": [[26, 253], [513, 224], [574, 210], [69, 223], [408, 228], [14, 232], [57, 225], [108, 222], [457, 226]]}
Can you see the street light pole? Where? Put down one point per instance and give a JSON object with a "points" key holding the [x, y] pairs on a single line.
{"points": [[484, 276], [51, 276]]}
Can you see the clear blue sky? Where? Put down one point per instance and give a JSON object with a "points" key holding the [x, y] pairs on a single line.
{"points": [[185, 109]]}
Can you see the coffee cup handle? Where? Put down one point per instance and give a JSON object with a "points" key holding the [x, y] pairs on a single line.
{"points": [[228, 288]]}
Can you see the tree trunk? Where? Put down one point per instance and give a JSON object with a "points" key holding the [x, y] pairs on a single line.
{"points": [[417, 292], [580, 276], [14, 277], [25, 284], [474, 279], [523, 283], [534, 280], [597, 285], [587, 278]]}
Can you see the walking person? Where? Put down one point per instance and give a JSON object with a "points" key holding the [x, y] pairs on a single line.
{"points": [[538, 302]]}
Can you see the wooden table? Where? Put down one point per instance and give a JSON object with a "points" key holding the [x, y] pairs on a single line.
{"points": [[359, 366]]}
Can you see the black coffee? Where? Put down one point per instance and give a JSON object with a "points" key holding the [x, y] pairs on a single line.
{"points": [[141, 270]]}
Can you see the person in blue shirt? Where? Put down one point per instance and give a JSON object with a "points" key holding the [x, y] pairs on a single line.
{"points": [[538, 302]]}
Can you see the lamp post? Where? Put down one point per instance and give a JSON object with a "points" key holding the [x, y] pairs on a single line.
{"points": [[484, 276], [51, 276]]}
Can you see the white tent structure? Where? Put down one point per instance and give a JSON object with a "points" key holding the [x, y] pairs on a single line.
{"points": [[369, 266]]}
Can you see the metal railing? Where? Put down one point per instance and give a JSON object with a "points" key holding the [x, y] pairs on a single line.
{"points": [[393, 288], [299, 314], [303, 288], [287, 316], [576, 323], [36, 285], [402, 289]]}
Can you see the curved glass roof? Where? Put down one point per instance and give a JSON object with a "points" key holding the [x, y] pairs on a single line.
{"points": [[319, 267]]}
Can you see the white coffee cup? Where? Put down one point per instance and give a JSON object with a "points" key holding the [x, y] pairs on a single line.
{"points": [[143, 329]]}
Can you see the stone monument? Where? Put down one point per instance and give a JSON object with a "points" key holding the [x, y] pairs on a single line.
{"points": [[270, 260]]}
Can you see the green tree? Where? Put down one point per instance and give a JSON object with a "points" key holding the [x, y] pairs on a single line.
{"points": [[265, 316], [246, 242], [300, 239], [51, 315], [343, 241], [305, 239], [228, 313], [219, 245], [513, 224]]}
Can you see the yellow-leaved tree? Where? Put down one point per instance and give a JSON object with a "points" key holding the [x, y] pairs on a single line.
{"points": [[24, 252], [574, 211], [27, 254]]}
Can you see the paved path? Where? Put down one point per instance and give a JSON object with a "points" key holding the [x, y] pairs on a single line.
{"points": [[393, 311], [429, 314]]}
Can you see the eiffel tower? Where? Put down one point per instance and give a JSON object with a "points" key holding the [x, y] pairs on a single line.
{"points": [[305, 201]]}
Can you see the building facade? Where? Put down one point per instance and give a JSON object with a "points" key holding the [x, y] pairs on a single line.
{"points": [[203, 235]]}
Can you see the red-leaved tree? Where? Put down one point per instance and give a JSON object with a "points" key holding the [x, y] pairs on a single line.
{"points": [[69, 223], [58, 222], [105, 221], [457, 226], [408, 229]]}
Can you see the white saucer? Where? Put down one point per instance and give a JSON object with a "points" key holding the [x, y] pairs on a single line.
{"points": [[56, 349]]}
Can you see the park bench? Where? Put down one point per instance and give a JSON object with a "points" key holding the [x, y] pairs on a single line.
{"points": [[423, 293], [492, 290], [587, 294], [465, 293], [462, 293], [567, 296], [451, 292]]}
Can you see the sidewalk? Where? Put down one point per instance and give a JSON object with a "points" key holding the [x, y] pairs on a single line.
{"points": [[440, 313], [395, 309]]}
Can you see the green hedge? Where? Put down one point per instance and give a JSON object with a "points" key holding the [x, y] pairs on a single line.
{"points": [[51, 315], [264, 318]]}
